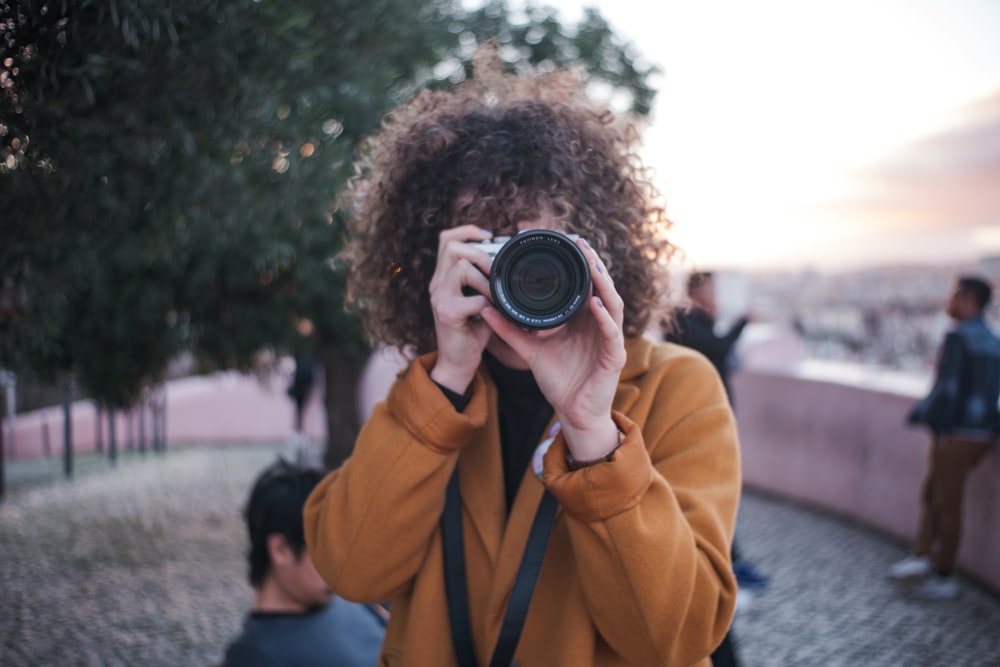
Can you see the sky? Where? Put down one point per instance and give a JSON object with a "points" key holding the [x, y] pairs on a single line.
{"points": [[822, 134]]}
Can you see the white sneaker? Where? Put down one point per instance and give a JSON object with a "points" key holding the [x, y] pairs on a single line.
{"points": [[911, 567], [744, 599], [936, 587]]}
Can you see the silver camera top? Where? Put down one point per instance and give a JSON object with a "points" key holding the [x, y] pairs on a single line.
{"points": [[493, 246]]}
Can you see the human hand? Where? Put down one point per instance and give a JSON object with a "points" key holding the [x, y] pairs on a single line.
{"points": [[577, 365], [461, 333]]}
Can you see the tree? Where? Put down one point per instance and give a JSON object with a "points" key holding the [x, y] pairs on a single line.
{"points": [[173, 171]]}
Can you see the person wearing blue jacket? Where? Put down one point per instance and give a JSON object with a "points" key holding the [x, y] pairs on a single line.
{"points": [[961, 412]]}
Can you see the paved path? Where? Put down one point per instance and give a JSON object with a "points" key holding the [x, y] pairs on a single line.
{"points": [[144, 565]]}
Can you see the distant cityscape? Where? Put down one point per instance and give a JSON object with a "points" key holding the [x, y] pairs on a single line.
{"points": [[892, 317]]}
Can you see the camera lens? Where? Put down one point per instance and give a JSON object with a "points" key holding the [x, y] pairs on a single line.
{"points": [[540, 279]]}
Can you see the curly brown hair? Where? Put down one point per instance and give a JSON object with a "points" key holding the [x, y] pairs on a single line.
{"points": [[494, 150]]}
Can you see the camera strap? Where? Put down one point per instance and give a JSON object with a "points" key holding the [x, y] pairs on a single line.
{"points": [[524, 582]]}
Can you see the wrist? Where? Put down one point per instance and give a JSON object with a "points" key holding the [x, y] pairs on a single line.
{"points": [[456, 380], [574, 464], [587, 447]]}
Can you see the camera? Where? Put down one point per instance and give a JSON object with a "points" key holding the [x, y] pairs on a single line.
{"points": [[539, 278]]}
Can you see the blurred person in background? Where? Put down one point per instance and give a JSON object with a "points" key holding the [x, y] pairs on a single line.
{"points": [[694, 326], [299, 448], [296, 621], [961, 412], [300, 389]]}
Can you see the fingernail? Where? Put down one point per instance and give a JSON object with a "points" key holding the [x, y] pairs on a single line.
{"points": [[485, 232], [600, 302], [586, 243]]}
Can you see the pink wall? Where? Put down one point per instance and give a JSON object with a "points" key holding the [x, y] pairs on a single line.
{"points": [[835, 437], [219, 408]]}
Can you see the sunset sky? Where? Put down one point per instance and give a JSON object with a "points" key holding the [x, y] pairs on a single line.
{"points": [[822, 134]]}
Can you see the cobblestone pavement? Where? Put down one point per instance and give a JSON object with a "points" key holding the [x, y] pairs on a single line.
{"points": [[144, 565], [830, 605]]}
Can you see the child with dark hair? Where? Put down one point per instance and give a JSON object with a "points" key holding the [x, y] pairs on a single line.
{"points": [[296, 621]]}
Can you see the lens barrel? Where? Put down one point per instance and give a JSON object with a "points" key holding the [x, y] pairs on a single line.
{"points": [[539, 279]]}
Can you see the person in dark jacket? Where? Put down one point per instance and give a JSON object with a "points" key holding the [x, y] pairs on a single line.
{"points": [[694, 327], [961, 412], [301, 388]]}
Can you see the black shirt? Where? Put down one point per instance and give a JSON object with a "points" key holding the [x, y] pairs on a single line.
{"points": [[523, 414]]}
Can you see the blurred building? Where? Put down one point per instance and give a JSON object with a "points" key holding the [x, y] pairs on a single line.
{"points": [[890, 317]]}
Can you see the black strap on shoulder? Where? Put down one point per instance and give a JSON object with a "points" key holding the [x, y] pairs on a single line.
{"points": [[454, 575], [524, 583]]}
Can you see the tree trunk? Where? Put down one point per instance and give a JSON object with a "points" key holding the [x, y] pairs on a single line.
{"points": [[112, 440], [67, 401], [142, 421], [129, 432], [3, 449], [161, 411], [341, 372], [99, 429]]}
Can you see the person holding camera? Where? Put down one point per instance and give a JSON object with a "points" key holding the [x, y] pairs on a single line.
{"points": [[543, 484]]}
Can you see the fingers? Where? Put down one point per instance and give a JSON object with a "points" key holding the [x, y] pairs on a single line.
{"points": [[466, 279], [461, 334], [463, 233], [460, 292], [460, 263], [460, 242], [455, 255], [459, 288], [606, 304]]}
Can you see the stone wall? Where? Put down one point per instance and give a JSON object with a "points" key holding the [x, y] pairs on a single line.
{"points": [[834, 436]]}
